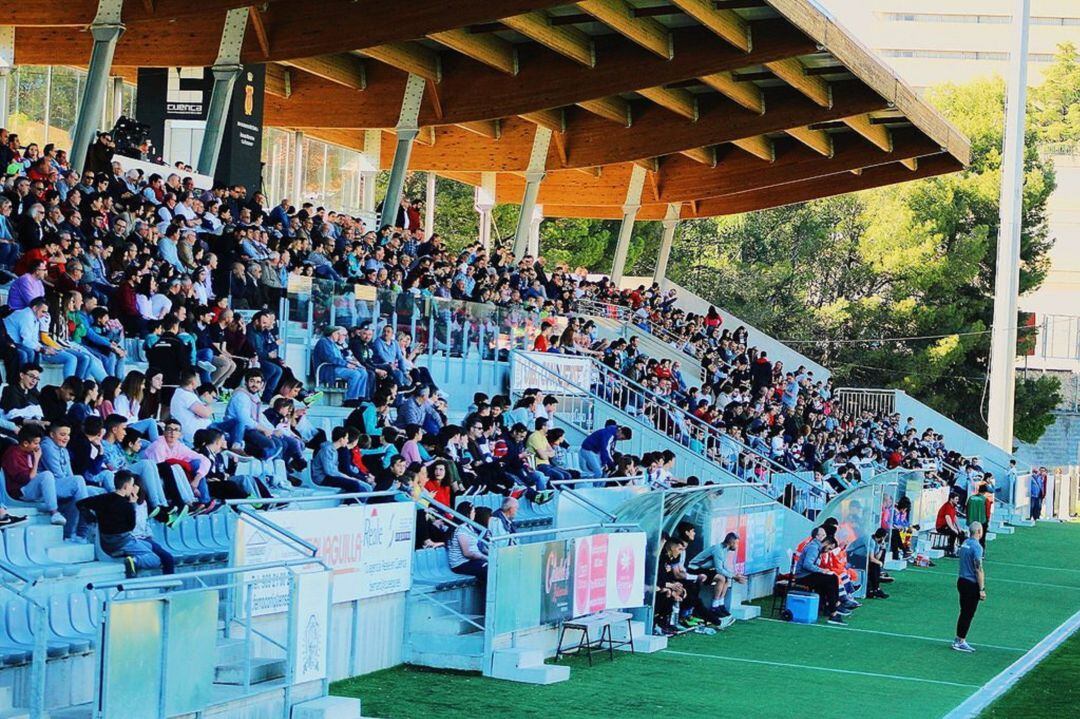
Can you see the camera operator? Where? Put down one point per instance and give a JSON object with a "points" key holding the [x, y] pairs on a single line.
{"points": [[99, 156]]}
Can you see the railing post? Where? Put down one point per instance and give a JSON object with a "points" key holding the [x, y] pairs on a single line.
{"points": [[39, 658]]}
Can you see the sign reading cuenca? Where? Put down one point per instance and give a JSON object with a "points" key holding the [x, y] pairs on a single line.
{"points": [[553, 373], [368, 547]]}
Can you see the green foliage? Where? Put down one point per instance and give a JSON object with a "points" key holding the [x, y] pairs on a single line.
{"points": [[841, 278], [1035, 398]]}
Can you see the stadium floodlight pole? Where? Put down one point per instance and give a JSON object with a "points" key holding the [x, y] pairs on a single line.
{"points": [[7, 63], [629, 215], [226, 70], [407, 129], [1007, 281], [670, 222], [106, 29], [534, 175]]}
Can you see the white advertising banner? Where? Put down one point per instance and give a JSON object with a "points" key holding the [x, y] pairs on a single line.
{"points": [[369, 548], [310, 635], [560, 374], [609, 572]]}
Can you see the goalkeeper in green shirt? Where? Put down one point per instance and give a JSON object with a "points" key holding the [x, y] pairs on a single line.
{"points": [[978, 510]]}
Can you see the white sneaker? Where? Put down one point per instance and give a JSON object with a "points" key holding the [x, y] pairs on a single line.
{"points": [[58, 519], [963, 646], [727, 622]]}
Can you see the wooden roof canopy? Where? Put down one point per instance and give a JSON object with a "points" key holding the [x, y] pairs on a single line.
{"points": [[730, 105]]}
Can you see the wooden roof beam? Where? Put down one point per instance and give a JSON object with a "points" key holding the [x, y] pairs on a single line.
{"points": [[566, 40], [746, 94], [491, 50], [727, 24], [620, 17], [341, 68], [817, 140], [554, 120], [679, 101], [759, 146], [651, 164], [485, 128], [410, 57], [911, 164], [793, 73], [879, 135], [612, 108], [704, 155], [278, 80]]}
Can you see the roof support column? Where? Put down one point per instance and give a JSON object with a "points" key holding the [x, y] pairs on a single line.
{"points": [[670, 222], [369, 168], [407, 129], [629, 214], [1007, 275], [226, 69], [535, 219], [297, 188], [7, 62], [534, 175], [429, 204], [118, 98], [484, 202], [106, 30]]}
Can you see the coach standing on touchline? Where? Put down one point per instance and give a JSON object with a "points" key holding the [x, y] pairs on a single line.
{"points": [[971, 585]]}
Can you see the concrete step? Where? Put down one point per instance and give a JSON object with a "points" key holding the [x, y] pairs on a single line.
{"points": [[1022, 522], [445, 651], [328, 708], [991, 536], [745, 612], [262, 670], [1001, 528], [526, 666], [229, 651], [895, 565], [644, 641]]}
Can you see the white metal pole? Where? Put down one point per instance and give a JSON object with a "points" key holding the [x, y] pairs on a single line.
{"points": [[429, 204], [1007, 281]]}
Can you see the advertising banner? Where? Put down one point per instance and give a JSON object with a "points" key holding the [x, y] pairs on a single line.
{"points": [[368, 547], [310, 630], [759, 545], [609, 572], [576, 371], [555, 590]]}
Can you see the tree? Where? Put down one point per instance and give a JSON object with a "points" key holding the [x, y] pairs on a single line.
{"points": [[894, 287]]}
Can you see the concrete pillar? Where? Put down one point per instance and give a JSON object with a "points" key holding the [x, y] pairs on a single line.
{"points": [[670, 222], [1002, 384], [484, 202], [370, 160], [106, 30], [118, 98], [7, 64], [226, 69], [297, 189], [429, 204], [535, 219], [407, 129], [626, 229], [534, 175]]}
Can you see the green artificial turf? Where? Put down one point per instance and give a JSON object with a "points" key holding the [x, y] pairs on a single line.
{"points": [[893, 660]]}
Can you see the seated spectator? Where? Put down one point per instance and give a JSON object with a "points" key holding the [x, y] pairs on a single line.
{"points": [[171, 455], [947, 524], [118, 516], [332, 365], [186, 407], [713, 561], [128, 404], [463, 550], [324, 466], [810, 573], [27, 482], [876, 564]]}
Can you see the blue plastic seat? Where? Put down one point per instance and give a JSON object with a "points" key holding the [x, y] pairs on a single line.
{"points": [[85, 612], [15, 545], [19, 630]]}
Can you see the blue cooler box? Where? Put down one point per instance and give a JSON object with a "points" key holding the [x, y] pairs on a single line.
{"points": [[803, 607]]}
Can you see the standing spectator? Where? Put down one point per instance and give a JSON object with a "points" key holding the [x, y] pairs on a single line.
{"points": [[1037, 492], [970, 585], [598, 450]]}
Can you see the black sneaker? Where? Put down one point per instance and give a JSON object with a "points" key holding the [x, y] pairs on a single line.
{"points": [[886, 580], [10, 519], [837, 620], [879, 595], [129, 567]]}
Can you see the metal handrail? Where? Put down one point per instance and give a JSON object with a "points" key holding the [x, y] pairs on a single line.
{"points": [[277, 529], [452, 512], [560, 530], [711, 432], [297, 500], [168, 581], [588, 504]]}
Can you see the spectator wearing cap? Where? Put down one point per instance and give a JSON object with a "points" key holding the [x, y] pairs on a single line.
{"points": [[332, 365]]}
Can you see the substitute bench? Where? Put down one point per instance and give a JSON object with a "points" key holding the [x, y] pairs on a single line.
{"points": [[595, 632]]}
